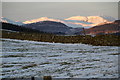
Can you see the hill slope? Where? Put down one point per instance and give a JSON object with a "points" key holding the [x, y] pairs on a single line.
{"points": [[52, 27], [108, 28]]}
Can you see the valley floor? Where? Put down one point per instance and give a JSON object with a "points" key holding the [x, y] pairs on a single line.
{"points": [[23, 58]]}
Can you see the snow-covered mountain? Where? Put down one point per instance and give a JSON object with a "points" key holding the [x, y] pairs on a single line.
{"points": [[6, 20], [42, 19], [93, 20], [74, 21]]}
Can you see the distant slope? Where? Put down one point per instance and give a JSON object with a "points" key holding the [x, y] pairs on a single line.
{"points": [[12, 27], [108, 28], [6, 20]]}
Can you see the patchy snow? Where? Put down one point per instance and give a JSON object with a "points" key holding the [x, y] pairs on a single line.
{"points": [[22, 58]]}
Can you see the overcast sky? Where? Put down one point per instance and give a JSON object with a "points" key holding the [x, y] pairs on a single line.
{"points": [[22, 11]]}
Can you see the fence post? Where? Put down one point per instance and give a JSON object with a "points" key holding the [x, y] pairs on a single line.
{"points": [[47, 78], [32, 78]]}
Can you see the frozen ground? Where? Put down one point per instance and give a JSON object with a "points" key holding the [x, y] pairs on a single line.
{"points": [[22, 58]]}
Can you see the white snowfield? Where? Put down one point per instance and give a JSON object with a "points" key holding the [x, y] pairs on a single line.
{"points": [[22, 58]]}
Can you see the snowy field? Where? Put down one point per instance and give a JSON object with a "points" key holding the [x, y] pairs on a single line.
{"points": [[22, 58]]}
